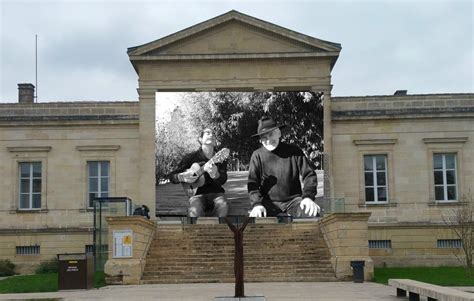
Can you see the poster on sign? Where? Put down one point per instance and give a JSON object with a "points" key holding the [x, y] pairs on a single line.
{"points": [[123, 244]]}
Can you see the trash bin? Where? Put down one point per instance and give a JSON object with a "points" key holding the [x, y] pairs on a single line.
{"points": [[76, 271], [358, 271]]}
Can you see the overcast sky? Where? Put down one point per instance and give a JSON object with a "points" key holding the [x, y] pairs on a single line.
{"points": [[424, 47]]}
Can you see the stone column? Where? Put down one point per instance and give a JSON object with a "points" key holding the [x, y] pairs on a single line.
{"points": [[147, 131], [328, 174], [327, 160]]}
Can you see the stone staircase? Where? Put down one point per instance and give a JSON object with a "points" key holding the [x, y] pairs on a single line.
{"points": [[204, 253]]}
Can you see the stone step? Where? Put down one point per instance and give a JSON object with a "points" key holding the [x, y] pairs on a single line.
{"points": [[296, 244], [224, 230], [246, 239], [251, 260], [247, 234], [276, 258], [263, 264], [215, 229], [229, 271], [212, 251], [189, 268], [230, 253], [202, 279]]}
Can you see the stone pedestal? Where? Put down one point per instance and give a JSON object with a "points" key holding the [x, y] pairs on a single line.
{"points": [[346, 235], [129, 270]]}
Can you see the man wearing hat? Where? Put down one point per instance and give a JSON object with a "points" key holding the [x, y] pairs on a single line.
{"points": [[274, 176]]}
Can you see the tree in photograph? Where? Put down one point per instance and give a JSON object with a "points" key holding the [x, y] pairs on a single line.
{"points": [[302, 112], [236, 117], [174, 138], [233, 116], [461, 223], [197, 109]]}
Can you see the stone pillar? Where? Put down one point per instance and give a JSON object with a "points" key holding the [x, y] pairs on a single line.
{"points": [[129, 270], [147, 131], [327, 159], [346, 235]]}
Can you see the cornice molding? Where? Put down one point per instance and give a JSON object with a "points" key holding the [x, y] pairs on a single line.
{"points": [[434, 112], [445, 140], [243, 56], [86, 148], [374, 141], [29, 149]]}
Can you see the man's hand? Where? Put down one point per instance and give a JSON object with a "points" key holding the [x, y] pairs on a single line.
{"points": [[187, 177], [258, 211], [309, 207], [211, 169]]}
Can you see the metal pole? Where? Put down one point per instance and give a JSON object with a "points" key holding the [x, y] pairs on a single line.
{"points": [[36, 68], [239, 255]]}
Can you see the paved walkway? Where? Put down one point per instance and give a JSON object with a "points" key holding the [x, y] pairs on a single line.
{"points": [[293, 291]]}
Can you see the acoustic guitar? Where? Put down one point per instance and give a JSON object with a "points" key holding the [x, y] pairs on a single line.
{"points": [[198, 171]]}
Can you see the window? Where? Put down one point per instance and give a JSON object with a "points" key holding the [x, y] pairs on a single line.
{"points": [[449, 243], [444, 166], [375, 177], [380, 244], [28, 250], [30, 185], [90, 249], [98, 180]]}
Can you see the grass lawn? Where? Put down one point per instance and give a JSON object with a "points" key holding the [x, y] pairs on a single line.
{"points": [[39, 283], [444, 276]]}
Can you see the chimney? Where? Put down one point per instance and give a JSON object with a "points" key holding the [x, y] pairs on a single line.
{"points": [[26, 93], [400, 93]]}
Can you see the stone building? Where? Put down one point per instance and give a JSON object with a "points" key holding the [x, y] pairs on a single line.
{"points": [[53, 157], [406, 159], [409, 160]]}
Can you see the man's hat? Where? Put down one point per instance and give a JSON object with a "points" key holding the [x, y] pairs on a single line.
{"points": [[266, 125]]}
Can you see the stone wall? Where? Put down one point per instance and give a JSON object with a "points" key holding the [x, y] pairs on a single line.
{"points": [[413, 245], [48, 110], [50, 241]]}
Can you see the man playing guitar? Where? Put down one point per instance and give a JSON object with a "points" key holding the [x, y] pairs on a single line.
{"points": [[204, 186]]}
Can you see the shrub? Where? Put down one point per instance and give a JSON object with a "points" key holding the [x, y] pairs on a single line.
{"points": [[49, 266], [7, 268]]}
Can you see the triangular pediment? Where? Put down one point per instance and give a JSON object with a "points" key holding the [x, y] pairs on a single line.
{"points": [[234, 34], [233, 37]]}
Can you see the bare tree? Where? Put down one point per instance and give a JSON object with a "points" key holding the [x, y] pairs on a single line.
{"points": [[461, 223]]}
